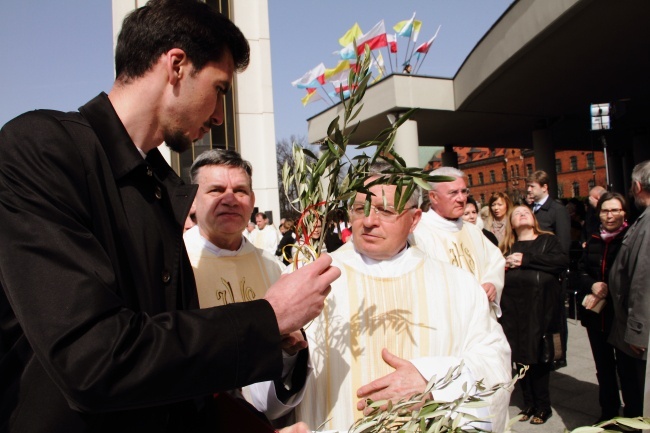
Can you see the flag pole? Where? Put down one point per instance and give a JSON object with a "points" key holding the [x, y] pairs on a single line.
{"points": [[381, 68], [429, 47], [390, 59], [328, 95]]}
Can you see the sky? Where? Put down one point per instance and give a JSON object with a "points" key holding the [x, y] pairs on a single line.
{"points": [[58, 53]]}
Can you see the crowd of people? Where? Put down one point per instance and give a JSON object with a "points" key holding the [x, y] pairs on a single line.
{"points": [[133, 302]]}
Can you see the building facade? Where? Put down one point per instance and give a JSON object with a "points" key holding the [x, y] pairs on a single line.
{"points": [[505, 170]]}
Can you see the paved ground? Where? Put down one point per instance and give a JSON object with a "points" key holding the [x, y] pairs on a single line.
{"points": [[574, 390]]}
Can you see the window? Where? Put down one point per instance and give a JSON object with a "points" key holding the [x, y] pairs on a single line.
{"points": [[529, 169], [469, 180], [576, 189], [517, 170], [504, 175], [558, 166], [573, 161], [482, 198], [590, 161], [480, 178], [493, 177], [560, 190], [591, 183]]}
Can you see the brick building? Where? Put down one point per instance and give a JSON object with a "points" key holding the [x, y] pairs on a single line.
{"points": [[492, 170]]}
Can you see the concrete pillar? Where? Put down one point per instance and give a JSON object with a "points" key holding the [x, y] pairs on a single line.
{"points": [[545, 157], [449, 157], [406, 142]]}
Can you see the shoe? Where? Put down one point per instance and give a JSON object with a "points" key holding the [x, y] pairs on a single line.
{"points": [[541, 416], [527, 413]]}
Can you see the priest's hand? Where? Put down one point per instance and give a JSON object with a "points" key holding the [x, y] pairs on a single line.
{"points": [[490, 291], [405, 381], [299, 297], [293, 343]]}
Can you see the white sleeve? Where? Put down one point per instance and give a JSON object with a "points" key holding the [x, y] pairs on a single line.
{"points": [[263, 395]]}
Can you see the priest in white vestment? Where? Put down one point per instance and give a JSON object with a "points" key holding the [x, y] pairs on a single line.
{"points": [[394, 319], [265, 237], [443, 235], [230, 269]]}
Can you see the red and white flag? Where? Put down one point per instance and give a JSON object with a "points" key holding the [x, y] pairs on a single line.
{"points": [[375, 38]]}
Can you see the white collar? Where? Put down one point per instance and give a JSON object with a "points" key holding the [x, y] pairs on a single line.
{"points": [[443, 223], [542, 201], [194, 235]]}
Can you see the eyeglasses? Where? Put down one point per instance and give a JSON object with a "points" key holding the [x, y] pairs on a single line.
{"points": [[384, 213], [614, 212], [453, 193]]}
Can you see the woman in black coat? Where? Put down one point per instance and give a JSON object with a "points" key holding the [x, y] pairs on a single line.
{"points": [[597, 311], [531, 305]]}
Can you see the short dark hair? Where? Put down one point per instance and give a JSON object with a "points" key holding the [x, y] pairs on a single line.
{"points": [[610, 196], [263, 215], [193, 26], [228, 158], [539, 176], [470, 200]]}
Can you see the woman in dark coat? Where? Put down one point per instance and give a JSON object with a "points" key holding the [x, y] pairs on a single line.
{"points": [[597, 310], [531, 305], [288, 238]]}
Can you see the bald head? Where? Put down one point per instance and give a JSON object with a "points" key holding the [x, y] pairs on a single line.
{"points": [[594, 195]]}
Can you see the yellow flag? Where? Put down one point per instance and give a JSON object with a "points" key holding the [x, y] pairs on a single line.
{"points": [[350, 35], [342, 66]]}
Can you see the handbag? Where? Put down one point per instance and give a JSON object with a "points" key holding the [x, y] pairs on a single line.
{"points": [[551, 349]]}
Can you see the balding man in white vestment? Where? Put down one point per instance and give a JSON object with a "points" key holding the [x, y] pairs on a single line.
{"points": [[395, 318]]}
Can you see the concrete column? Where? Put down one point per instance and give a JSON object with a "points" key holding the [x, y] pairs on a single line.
{"points": [[449, 157], [545, 157], [406, 143]]}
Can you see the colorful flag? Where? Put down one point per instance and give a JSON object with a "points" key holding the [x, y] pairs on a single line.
{"points": [[375, 38], [350, 35], [409, 28], [311, 96], [347, 53], [342, 75], [336, 95], [343, 66], [392, 43], [424, 48], [313, 78], [340, 85]]}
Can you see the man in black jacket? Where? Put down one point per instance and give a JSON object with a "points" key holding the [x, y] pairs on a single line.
{"points": [[99, 322], [552, 217]]}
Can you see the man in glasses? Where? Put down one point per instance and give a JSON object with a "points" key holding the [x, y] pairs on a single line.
{"points": [[395, 319], [443, 236]]}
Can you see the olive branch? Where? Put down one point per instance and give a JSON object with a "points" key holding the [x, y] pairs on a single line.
{"points": [[332, 180]]}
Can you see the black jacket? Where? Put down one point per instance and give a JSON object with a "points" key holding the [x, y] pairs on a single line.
{"points": [[531, 299], [554, 217], [597, 259], [99, 322]]}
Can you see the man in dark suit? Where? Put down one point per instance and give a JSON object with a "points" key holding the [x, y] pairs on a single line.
{"points": [[100, 326], [552, 217]]}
